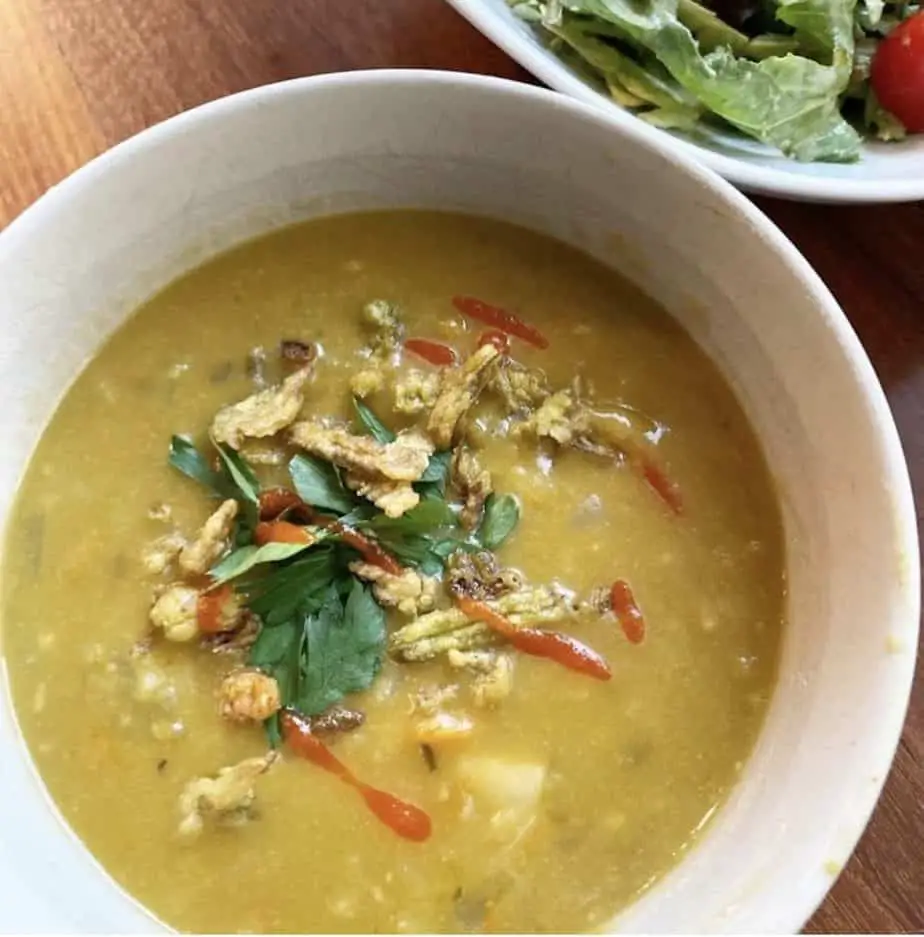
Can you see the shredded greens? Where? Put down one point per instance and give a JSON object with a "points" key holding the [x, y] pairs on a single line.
{"points": [[788, 73]]}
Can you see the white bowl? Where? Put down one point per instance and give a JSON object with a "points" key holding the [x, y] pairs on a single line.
{"points": [[76, 264], [887, 172]]}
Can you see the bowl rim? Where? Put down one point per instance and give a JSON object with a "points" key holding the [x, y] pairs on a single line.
{"points": [[761, 180], [808, 891]]}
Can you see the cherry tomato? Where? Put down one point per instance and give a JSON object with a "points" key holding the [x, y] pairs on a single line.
{"points": [[897, 73]]}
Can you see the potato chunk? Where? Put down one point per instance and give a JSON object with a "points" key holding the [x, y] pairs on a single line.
{"points": [[508, 791]]}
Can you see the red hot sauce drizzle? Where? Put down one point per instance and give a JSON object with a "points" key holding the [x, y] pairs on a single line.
{"points": [[280, 532], [405, 819], [209, 608], [279, 500], [435, 352], [668, 491], [627, 612], [499, 319], [553, 645]]}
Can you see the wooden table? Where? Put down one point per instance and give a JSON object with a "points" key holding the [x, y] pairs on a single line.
{"points": [[77, 76]]}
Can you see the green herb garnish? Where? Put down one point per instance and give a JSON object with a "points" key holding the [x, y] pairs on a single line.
{"points": [[241, 474], [327, 648], [432, 484], [235, 479], [186, 458], [296, 586], [372, 424], [318, 483], [243, 559], [427, 517], [501, 516], [422, 538], [344, 646]]}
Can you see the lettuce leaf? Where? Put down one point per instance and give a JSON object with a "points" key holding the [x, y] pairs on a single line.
{"points": [[824, 29], [651, 85], [789, 102]]}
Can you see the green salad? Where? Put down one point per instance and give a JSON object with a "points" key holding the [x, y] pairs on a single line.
{"points": [[793, 74]]}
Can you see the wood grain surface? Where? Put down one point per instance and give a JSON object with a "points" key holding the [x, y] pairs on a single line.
{"points": [[77, 76]]}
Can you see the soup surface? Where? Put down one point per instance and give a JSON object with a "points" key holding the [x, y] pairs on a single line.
{"points": [[534, 782]]}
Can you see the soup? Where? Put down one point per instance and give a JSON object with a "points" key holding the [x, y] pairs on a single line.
{"points": [[395, 572]]}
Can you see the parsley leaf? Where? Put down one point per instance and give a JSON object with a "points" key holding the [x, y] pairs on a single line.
{"points": [[344, 644], [234, 480], [278, 652], [273, 645], [432, 484], [421, 519], [318, 655], [438, 467], [426, 552], [273, 731], [423, 537], [372, 424], [186, 458], [245, 558], [240, 473], [501, 516], [242, 478], [431, 564], [318, 484], [295, 586]]}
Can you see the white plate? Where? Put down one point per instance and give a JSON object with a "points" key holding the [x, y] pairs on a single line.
{"points": [[887, 172], [79, 261]]}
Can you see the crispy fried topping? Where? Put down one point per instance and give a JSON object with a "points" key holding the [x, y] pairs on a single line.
{"points": [[264, 413]]}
